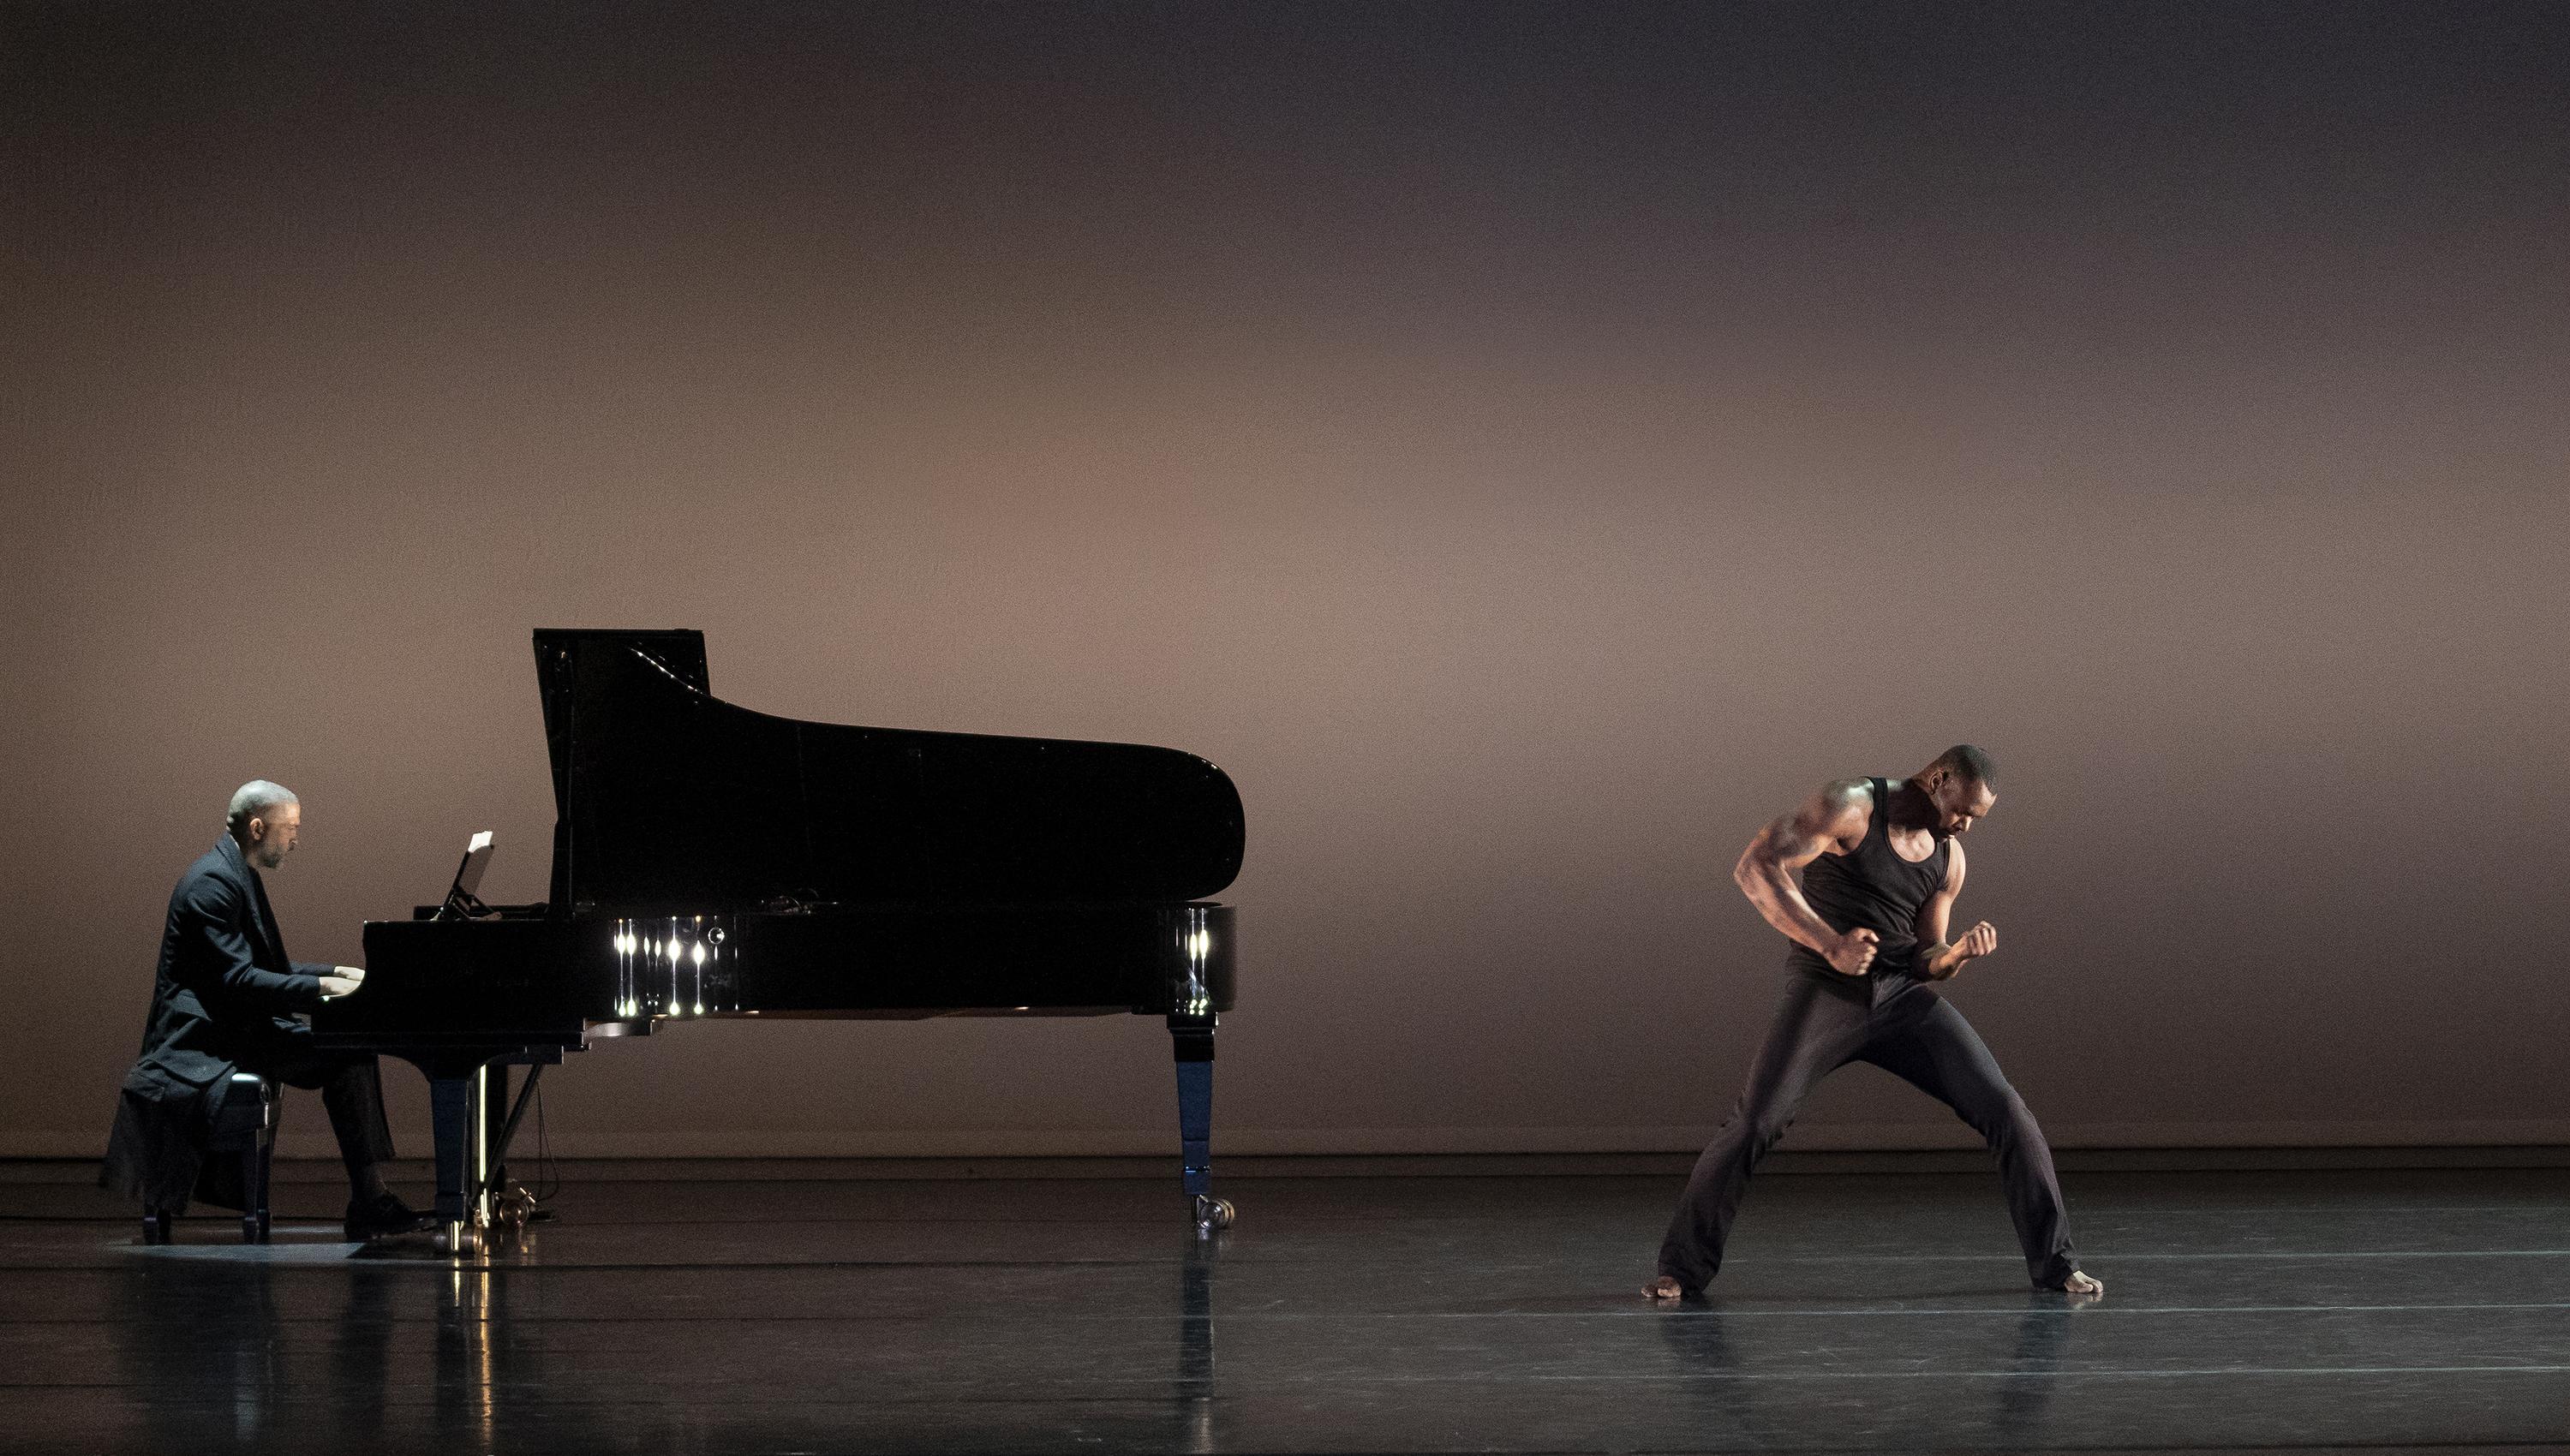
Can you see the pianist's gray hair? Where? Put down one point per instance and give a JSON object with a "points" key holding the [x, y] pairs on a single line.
{"points": [[252, 801]]}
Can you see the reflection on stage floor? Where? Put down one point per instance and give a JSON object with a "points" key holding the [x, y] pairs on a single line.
{"points": [[1870, 1312]]}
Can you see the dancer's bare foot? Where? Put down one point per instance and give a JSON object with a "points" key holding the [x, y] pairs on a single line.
{"points": [[1663, 1288], [2081, 1287]]}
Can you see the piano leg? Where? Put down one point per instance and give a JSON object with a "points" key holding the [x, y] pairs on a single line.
{"points": [[1192, 1039], [452, 1114], [494, 1119]]}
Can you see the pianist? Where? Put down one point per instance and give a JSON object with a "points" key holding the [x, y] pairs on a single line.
{"points": [[226, 1000]]}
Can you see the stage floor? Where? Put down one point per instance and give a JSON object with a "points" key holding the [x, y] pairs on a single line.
{"points": [[1859, 1313]]}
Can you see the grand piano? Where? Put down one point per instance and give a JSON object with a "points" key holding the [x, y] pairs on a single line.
{"points": [[710, 861]]}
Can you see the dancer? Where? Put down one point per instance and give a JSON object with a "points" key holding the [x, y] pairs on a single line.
{"points": [[1882, 863]]}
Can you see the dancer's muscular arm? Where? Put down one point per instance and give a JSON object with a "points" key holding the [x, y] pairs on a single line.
{"points": [[1937, 959], [1834, 819]]}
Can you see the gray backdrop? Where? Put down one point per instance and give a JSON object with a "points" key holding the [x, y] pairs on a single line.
{"points": [[1527, 448]]}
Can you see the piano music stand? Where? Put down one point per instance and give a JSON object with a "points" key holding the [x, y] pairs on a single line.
{"points": [[460, 902]]}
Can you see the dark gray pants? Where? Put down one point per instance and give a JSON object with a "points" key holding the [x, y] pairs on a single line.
{"points": [[351, 1087], [1909, 1032]]}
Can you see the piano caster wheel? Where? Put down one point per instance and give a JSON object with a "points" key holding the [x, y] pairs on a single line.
{"points": [[1214, 1214], [515, 1210], [457, 1240]]}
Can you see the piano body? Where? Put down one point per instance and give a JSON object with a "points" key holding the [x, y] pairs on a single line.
{"points": [[710, 861]]}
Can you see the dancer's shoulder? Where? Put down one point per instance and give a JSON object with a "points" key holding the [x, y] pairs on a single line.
{"points": [[1838, 813]]}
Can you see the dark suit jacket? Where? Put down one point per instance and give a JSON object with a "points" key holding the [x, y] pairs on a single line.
{"points": [[225, 990]]}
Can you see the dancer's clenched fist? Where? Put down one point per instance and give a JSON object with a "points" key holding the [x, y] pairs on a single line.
{"points": [[1854, 952], [1974, 944]]}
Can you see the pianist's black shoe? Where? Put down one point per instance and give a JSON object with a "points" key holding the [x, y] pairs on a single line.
{"points": [[382, 1217]]}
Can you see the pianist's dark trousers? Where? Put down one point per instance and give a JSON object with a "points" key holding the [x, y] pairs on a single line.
{"points": [[1909, 1032], [351, 1088]]}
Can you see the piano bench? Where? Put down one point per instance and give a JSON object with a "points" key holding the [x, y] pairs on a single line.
{"points": [[244, 1128]]}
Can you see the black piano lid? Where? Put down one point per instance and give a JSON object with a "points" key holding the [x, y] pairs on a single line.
{"points": [[670, 799]]}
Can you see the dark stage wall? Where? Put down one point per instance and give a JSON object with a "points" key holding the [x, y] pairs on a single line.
{"points": [[1527, 448]]}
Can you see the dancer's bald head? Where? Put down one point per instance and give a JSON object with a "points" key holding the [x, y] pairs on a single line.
{"points": [[1968, 764], [1963, 784]]}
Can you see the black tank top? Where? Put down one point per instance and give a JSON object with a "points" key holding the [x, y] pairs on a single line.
{"points": [[1872, 886]]}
